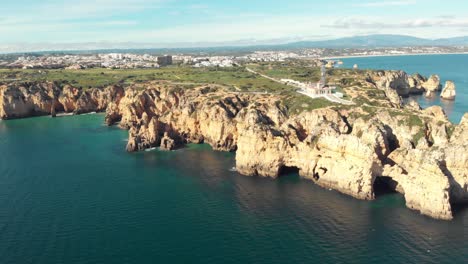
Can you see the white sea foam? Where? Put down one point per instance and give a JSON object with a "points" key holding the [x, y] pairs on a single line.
{"points": [[150, 149], [91, 113], [64, 114]]}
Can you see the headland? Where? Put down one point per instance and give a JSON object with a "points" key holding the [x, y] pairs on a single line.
{"points": [[272, 128]]}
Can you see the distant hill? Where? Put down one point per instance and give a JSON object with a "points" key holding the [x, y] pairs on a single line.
{"points": [[370, 41], [375, 41], [459, 41]]}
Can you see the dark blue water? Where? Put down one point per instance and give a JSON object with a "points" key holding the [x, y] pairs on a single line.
{"points": [[448, 67], [69, 193]]}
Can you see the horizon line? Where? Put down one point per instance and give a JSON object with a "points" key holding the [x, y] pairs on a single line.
{"points": [[211, 45]]}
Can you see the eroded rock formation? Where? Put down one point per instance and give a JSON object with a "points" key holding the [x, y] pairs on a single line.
{"points": [[449, 92], [432, 84], [396, 80], [418, 153], [342, 150], [405, 84], [33, 99]]}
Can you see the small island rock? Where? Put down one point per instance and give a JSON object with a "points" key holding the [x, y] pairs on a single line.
{"points": [[448, 93], [432, 84]]}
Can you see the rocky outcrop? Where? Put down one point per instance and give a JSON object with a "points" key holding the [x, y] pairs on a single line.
{"points": [[78, 101], [27, 99], [432, 84], [415, 84], [405, 84], [393, 97], [413, 153], [33, 99], [396, 80], [413, 105], [418, 153], [420, 178], [448, 93]]}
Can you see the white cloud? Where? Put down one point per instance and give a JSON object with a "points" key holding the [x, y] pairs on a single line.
{"points": [[377, 23], [49, 11], [109, 22], [386, 3]]}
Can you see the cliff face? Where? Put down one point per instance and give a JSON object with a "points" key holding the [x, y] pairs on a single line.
{"points": [[403, 84], [432, 84], [396, 80], [449, 91], [418, 153], [33, 99], [341, 149]]}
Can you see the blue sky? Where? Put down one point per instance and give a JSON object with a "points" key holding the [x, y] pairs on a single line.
{"points": [[39, 24]]}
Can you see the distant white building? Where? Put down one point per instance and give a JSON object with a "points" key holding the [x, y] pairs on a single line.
{"points": [[320, 88]]}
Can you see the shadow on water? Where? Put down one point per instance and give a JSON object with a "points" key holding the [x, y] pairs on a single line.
{"points": [[384, 186], [288, 171], [459, 209]]}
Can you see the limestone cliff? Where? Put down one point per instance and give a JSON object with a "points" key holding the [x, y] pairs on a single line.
{"points": [[346, 148], [33, 99], [341, 149], [449, 92], [405, 84], [396, 80], [432, 84]]}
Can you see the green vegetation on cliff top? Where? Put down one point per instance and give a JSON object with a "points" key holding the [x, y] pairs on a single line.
{"points": [[236, 78]]}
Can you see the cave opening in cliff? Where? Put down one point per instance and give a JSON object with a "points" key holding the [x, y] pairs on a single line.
{"points": [[288, 171], [384, 186]]}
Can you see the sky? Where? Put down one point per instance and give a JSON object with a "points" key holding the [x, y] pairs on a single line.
{"points": [[86, 24]]}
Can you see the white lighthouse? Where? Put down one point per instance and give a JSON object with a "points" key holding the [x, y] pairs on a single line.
{"points": [[323, 77]]}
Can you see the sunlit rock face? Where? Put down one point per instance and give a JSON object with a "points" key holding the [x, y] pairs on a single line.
{"points": [[419, 152], [449, 91], [432, 84], [333, 148], [34, 99]]}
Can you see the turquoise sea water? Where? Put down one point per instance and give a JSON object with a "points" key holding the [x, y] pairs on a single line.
{"points": [[69, 193], [448, 67]]}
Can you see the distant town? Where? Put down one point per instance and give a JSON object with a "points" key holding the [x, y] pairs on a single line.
{"points": [[135, 61]]}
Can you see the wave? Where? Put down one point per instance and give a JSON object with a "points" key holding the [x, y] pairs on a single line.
{"points": [[64, 114], [150, 149]]}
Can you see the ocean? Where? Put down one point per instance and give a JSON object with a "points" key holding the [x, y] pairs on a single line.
{"points": [[452, 67], [70, 193]]}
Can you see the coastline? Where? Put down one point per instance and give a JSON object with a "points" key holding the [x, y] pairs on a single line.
{"points": [[378, 138], [391, 55]]}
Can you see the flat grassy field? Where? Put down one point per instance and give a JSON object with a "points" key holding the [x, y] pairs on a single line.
{"points": [[295, 71], [235, 78]]}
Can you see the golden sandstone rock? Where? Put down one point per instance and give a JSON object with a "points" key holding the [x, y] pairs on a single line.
{"points": [[334, 150], [432, 84], [449, 92], [416, 152], [32, 99]]}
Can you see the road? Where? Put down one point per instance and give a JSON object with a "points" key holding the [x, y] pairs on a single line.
{"points": [[329, 97]]}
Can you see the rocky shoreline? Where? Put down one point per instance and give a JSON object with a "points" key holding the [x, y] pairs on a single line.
{"points": [[28, 99], [418, 153]]}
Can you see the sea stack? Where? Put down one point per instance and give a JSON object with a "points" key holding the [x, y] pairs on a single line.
{"points": [[432, 84], [415, 82], [448, 93]]}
